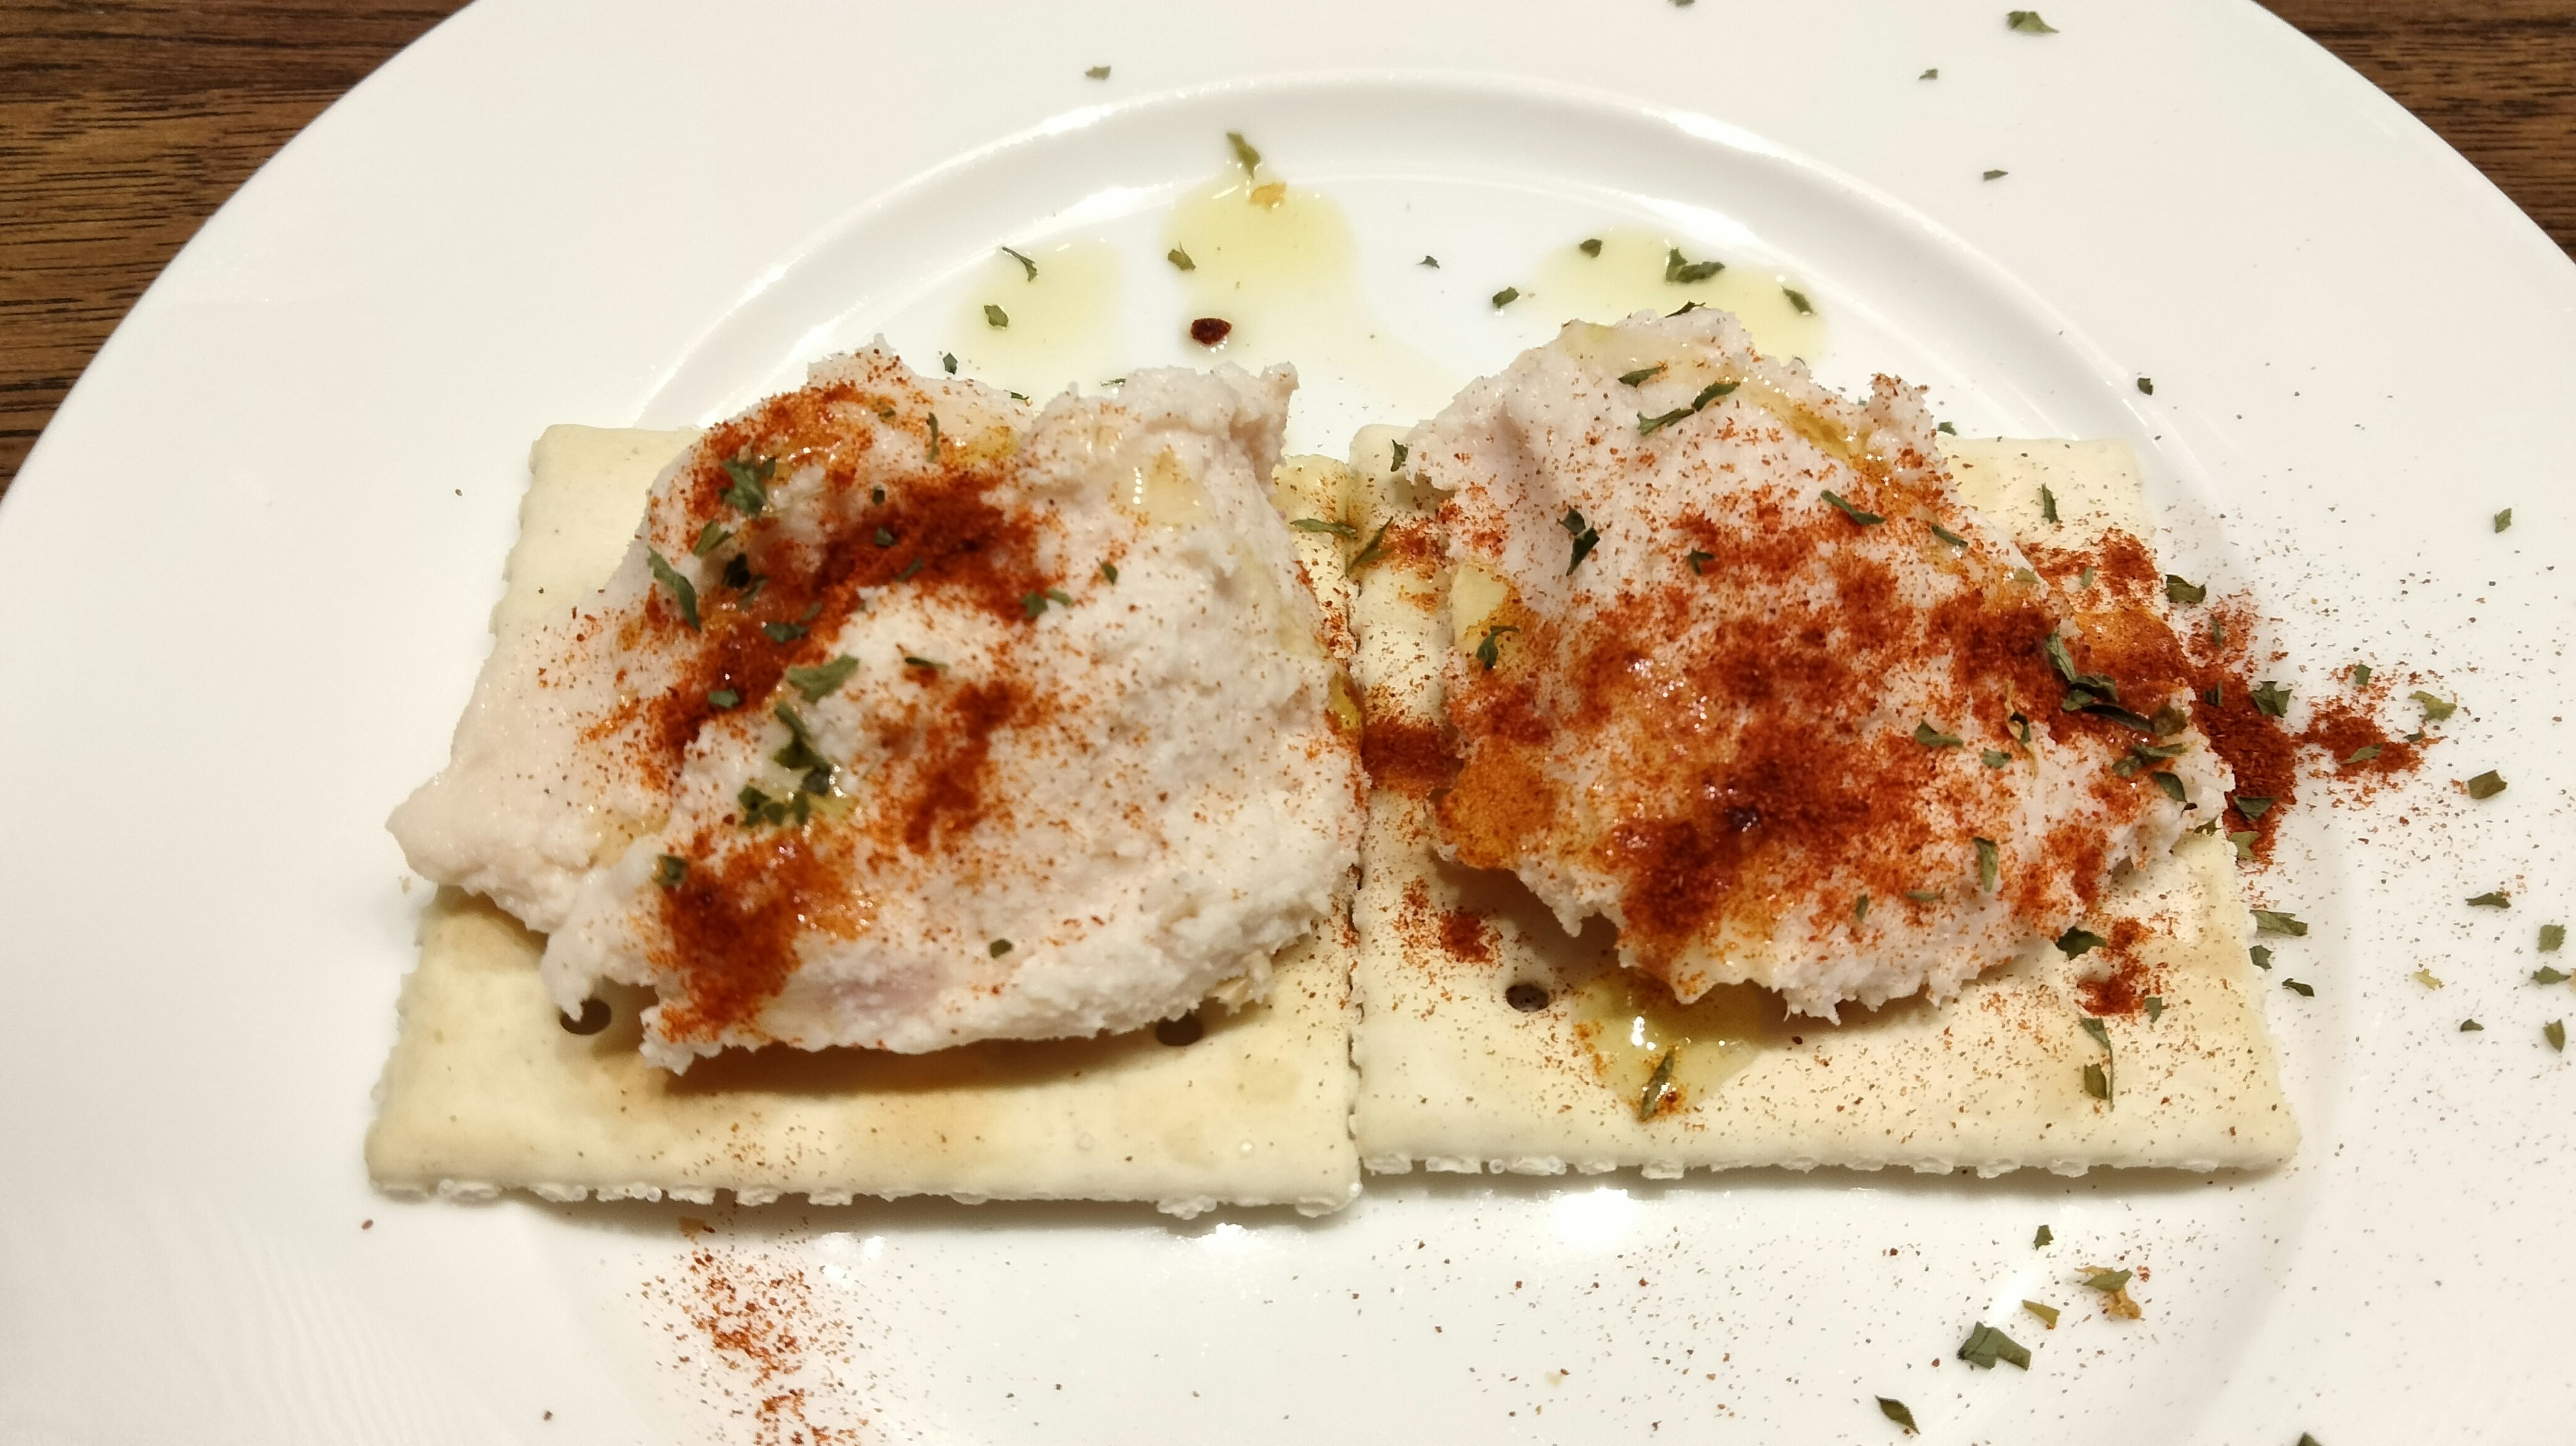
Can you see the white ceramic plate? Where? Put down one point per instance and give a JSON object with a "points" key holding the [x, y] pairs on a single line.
{"points": [[248, 567]]}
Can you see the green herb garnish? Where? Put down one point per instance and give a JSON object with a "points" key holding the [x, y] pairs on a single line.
{"points": [[1994, 758], [1945, 429], [1680, 272], [2171, 785], [1931, 737], [2504, 519], [2485, 785], [934, 436], [2304, 991], [1098, 72], [1649, 426], [683, 591], [2435, 709], [2555, 1031], [2075, 942], [710, 537], [1699, 561], [2272, 698], [911, 660], [1986, 1345], [1506, 297], [2046, 1313], [1659, 1086], [758, 807], [1316, 524], [2251, 806], [800, 753], [2154, 1004], [1400, 452], [1641, 375], [2027, 22], [1798, 301], [2043, 1239], [2047, 502], [910, 568], [2102, 1036], [1989, 864], [1865, 519], [2269, 921], [669, 870], [1244, 155], [1586, 537], [723, 698], [1895, 1411], [783, 632], [2178, 590], [1927, 896], [1591, 246], [2471, 1026], [1375, 548], [1933, 74], [1488, 651], [2491, 899], [2553, 937], [998, 948], [1109, 570], [1431, 261], [1180, 260], [1026, 264], [817, 682], [2147, 385], [1994, 175], [2243, 842], [2261, 954], [2107, 1281], [750, 490], [995, 317], [2548, 974], [1946, 535]]}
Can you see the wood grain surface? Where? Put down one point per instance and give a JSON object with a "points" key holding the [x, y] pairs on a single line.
{"points": [[124, 125]]}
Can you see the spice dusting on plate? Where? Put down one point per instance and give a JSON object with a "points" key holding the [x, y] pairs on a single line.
{"points": [[753, 1334]]}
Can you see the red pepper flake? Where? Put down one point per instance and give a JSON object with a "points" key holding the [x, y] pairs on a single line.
{"points": [[1211, 331]]}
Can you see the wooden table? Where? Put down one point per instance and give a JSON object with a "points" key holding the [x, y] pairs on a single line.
{"points": [[123, 126]]}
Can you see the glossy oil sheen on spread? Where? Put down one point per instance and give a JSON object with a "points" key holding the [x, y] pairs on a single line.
{"points": [[915, 717], [1822, 748]]}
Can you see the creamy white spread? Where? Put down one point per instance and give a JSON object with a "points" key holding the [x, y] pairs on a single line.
{"points": [[916, 716], [1735, 668]]}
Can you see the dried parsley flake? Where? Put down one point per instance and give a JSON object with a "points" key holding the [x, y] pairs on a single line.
{"points": [[1865, 519], [1986, 1345]]}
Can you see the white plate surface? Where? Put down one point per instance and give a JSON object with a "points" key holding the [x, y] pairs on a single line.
{"points": [[249, 564]]}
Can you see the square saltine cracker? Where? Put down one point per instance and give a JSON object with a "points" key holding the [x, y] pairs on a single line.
{"points": [[1455, 1077], [486, 1090]]}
